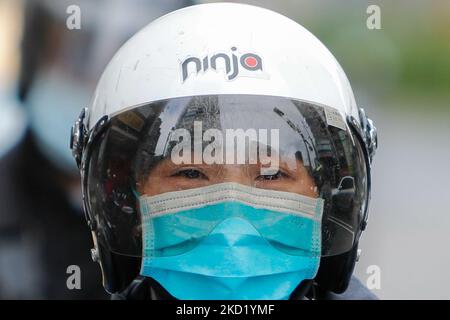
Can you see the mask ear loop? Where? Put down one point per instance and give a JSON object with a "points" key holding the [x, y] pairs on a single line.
{"points": [[136, 193]]}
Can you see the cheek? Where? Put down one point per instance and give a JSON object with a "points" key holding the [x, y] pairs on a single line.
{"points": [[303, 185], [307, 187], [157, 185], [181, 183]]}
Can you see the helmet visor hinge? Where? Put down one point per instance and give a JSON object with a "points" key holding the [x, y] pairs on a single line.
{"points": [[78, 137], [370, 134]]}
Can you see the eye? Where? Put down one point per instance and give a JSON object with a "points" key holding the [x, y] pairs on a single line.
{"points": [[190, 174], [269, 177]]}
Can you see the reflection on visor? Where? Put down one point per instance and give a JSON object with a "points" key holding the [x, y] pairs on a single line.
{"points": [[269, 144], [175, 222]]}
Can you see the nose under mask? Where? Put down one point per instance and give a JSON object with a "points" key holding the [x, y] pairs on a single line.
{"points": [[235, 260]]}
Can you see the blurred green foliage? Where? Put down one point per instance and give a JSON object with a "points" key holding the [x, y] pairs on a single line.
{"points": [[406, 63]]}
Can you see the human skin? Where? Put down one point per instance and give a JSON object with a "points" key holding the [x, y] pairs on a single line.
{"points": [[167, 176]]}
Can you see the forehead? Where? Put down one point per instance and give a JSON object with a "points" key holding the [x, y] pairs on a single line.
{"points": [[236, 116]]}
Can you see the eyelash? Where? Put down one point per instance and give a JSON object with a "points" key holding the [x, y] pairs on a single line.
{"points": [[186, 172], [270, 177]]}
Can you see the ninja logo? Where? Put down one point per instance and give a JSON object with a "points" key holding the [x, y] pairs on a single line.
{"points": [[249, 61]]}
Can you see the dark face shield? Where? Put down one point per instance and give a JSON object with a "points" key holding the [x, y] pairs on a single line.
{"points": [[261, 146]]}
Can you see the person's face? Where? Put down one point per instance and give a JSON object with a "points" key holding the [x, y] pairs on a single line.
{"points": [[167, 176]]}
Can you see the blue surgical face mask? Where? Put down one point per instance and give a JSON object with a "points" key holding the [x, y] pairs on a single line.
{"points": [[54, 103], [230, 241]]}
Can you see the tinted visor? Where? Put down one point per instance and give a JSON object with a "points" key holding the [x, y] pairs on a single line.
{"points": [[261, 142]]}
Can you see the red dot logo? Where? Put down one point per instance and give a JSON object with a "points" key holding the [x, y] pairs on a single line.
{"points": [[251, 62]]}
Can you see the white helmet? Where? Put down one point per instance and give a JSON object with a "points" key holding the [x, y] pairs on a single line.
{"points": [[294, 63], [228, 65]]}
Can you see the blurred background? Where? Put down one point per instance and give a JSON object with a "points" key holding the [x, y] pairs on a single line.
{"points": [[400, 75]]}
